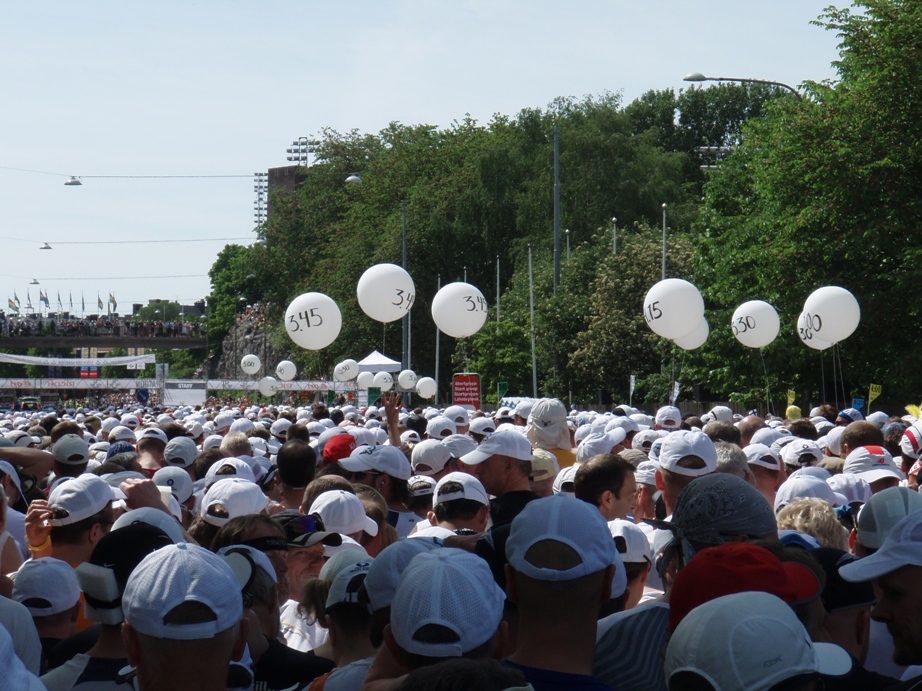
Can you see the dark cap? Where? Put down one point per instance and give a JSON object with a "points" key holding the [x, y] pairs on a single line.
{"points": [[305, 531], [840, 594]]}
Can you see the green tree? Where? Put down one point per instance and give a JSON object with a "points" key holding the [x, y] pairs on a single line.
{"points": [[827, 191]]}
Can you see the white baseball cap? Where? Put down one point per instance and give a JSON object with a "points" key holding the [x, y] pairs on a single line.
{"points": [[565, 477], [75, 499], [411, 436], [155, 517], [903, 547], [544, 465], [501, 443], [152, 433], [722, 413], [122, 433], [760, 633], [646, 473], [482, 425], [801, 452], [172, 576], [180, 451], [566, 520], [450, 588], [385, 571], [178, 481], [223, 421], [636, 548], [834, 440], [429, 457], [761, 455], [872, 463], [343, 512], [241, 469], [882, 512], [459, 444], [668, 417], [346, 584], [683, 443], [440, 426], [459, 486], [389, 460], [71, 450], [130, 421], [239, 497], [457, 414], [46, 586], [806, 487], [596, 444], [853, 487]]}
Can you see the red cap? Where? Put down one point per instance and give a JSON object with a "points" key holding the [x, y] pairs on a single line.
{"points": [[738, 567], [338, 447]]}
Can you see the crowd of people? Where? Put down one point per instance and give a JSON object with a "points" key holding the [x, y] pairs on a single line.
{"points": [[16, 326], [240, 547]]}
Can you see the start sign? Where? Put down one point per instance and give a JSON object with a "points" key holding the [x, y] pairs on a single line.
{"points": [[465, 390]]}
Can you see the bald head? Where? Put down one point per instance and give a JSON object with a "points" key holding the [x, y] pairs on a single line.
{"points": [[748, 426]]}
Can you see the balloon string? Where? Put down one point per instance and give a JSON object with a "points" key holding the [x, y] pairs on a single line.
{"points": [[823, 378], [841, 374], [835, 385], [768, 389]]}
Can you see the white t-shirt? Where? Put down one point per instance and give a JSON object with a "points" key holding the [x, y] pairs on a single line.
{"points": [[300, 632], [16, 526]]}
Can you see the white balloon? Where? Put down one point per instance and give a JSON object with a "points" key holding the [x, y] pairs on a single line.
{"points": [[459, 310], [313, 321], [696, 338], [755, 324], [807, 334], [383, 381], [286, 370], [386, 292], [347, 370], [673, 308], [833, 313], [426, 387], [365, 380], [407, 380], [268, 386], [250, 364]]}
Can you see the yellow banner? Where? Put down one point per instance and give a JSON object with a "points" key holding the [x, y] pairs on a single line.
{"points": [[873, 393], [792, 396]]}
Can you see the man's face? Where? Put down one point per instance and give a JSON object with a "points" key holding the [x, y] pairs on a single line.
{"points": [[623, 504], [303, 563], [490, 473], [899, 606]]}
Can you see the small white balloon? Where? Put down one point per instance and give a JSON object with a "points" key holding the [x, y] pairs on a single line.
{"points": [[313, 320], [459, 310], [386, 292], [250, 364], [365, 380], [268, 386], [833, 312], [407, 380], [383, 381], [286, 370], [755, 324], [347, 370], [426, 387], [807, 333], [696, 338], [673, 308]]}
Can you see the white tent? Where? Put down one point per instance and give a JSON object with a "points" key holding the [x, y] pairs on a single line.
{"points": [[376, 362]]}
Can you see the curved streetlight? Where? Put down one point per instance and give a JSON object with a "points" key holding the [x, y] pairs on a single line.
{"points": [[698, 77], [353, 178], [73, 181], [45, 246]]}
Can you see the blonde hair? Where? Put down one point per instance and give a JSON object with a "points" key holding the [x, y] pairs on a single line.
{"points": [[814, 517]]}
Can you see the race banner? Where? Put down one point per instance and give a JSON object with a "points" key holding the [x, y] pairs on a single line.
{"points": [[76, 362]]}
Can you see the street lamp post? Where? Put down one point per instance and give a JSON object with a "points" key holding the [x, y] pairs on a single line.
{"points": [[664, 241], [614, 235], [698, 77]]}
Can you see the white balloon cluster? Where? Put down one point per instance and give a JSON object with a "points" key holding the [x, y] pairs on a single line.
{"points": [[286, 370], [830, 315], [674, 309]]}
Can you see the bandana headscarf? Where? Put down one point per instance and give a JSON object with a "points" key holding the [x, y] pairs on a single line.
{"points": [[712, 510]]}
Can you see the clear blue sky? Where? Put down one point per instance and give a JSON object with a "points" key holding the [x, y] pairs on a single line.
{"points": [[222, 88]]}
